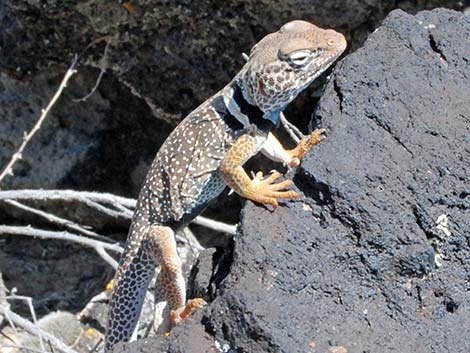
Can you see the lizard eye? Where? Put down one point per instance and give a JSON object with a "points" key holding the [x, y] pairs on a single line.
{"points": [[300, 58]]}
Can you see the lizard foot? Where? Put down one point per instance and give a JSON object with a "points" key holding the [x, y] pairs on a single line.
{"points": [[305, 144], [176, 316], [268, 192]]}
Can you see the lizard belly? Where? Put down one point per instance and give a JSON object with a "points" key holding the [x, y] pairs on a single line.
{"points": [[212, 188], [184, 176]]}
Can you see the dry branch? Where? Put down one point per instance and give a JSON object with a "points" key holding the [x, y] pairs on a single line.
{"points": [[103, 67], [8, 170], [67, 195], [29, 302], [3, 296], [99, 246], [109, 204], [23, 348], [33, 329], [58, 220], [216, 225], [291, 129]]}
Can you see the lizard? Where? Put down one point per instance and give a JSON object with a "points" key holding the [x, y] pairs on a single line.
{"points": [[205, 153]]}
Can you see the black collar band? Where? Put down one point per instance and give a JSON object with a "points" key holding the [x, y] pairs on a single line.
{"points": [[243, 115], [254, 113]]}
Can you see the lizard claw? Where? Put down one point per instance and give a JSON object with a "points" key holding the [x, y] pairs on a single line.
{"points": [[267, 191], [317, 135], [176, 316], [305, 144]]}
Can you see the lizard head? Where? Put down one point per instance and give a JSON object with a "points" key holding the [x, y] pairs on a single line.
{"points": [[284, 63]]}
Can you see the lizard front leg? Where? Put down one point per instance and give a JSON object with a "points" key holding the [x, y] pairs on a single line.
{"points": [[273, 149], [259, 190], [306, 143]]}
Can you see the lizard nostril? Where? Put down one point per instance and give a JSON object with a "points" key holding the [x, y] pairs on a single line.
{"points": [[330, 42]]}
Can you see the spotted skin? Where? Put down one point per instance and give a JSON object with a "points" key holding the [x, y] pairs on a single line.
{"points": [[205, 154]]}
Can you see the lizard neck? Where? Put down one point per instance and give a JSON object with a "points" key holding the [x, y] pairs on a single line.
{"points": [[240, 105]]}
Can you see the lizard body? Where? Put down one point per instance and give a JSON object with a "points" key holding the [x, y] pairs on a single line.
{"points": [[205, 153]]}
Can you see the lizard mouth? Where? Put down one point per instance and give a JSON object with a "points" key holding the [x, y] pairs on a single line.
{"points": [[320, 66], [326, 62]]}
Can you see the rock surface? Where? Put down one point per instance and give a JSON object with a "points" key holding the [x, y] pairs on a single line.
{"points": [[375, 257]]}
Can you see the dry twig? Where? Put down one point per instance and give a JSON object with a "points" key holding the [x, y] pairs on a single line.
{"points": [[23, 348], [8, 170], [3, 296], [29, 302], [216, 225], [291, 129], [103, 67], [58, 220], [109, 204], [33, 329], [99, 246]]}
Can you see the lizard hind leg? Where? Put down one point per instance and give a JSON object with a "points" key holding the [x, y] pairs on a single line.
{"points": [[171, 277]]}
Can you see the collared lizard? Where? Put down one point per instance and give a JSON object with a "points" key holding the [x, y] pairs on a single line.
{"points": [[206, 153]]}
